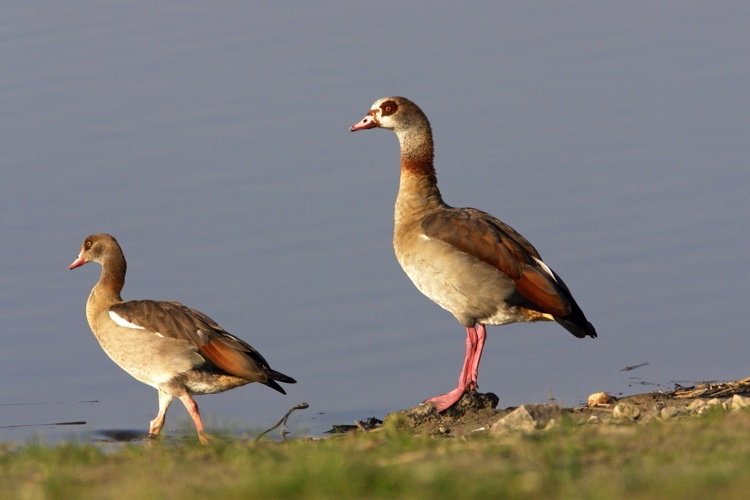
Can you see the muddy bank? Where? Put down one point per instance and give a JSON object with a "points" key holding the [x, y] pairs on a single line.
{"points": [[477, 412]]}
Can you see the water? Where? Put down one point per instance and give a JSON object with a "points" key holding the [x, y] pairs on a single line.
{"points": [[211, 140]]}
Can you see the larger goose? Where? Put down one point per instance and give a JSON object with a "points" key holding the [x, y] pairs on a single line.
{"points": [[177, 350], [468, 262]]}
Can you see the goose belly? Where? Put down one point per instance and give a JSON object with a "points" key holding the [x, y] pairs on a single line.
{"points": [[473, 291], [151, 359]]}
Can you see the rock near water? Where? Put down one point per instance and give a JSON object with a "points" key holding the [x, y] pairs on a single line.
{"points": [[527, 418]]}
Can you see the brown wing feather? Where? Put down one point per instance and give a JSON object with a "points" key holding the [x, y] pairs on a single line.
{"points": [[479, 234], [177, 321], [233, 361], [539, 290]]}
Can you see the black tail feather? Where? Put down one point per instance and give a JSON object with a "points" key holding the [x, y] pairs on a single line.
{"points": [[576, 327], [575, 322], [274, 376]]}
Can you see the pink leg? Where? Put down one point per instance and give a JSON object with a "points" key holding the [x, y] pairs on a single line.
{"points": [[472, 383], [467, 381], [192, 408], [471, 344], [156, 424]]}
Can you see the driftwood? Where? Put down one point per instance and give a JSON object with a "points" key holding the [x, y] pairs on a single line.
{"points": [[713, 389]]}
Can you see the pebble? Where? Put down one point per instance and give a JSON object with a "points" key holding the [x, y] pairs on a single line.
{"points": [[740, 402], [551, 424], [626, 411], [696, 405], [600, 398], [670, 412], [527, 418]]}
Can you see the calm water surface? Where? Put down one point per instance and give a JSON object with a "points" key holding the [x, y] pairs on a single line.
{"points": [[211, 140]]}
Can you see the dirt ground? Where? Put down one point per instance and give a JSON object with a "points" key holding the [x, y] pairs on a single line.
{"points": [[478, 412]]}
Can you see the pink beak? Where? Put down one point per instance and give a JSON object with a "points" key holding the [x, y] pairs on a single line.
{"points": [[367, 122], [78, 262]]}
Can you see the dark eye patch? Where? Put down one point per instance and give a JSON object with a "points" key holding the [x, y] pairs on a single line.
{"points": [[389, 107]]}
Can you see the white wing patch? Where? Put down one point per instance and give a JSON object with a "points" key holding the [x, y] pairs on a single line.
{"points": [[203, 336], [546, 269], [123, 322]]}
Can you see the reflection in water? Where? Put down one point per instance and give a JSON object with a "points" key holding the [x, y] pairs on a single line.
{"points": [[120, 435]]}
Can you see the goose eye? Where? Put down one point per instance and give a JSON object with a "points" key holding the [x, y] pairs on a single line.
{"points": [[388, 108], [88, 243]]}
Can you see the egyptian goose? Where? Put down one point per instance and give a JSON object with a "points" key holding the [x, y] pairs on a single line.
{"points": [[177, 350], [468, 262]]}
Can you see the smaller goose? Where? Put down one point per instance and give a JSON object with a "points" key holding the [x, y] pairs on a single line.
{"points": [[465, 260], [177, 350]]}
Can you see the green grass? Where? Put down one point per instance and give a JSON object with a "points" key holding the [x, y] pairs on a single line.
{"points": [[695, 457]]}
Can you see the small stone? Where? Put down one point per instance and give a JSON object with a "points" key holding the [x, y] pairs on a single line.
{"points": [[526, 418], [696, 406], [626, 411], [740, 402], [519, 419], [670, 412], [600, 398], [714, 402]]}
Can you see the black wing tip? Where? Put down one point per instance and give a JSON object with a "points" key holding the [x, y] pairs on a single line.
{"points": [[273, 385], [577, 328], [274, 377], [590, 330]]}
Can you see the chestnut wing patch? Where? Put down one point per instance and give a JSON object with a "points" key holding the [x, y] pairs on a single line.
{"points": [[479, 234], [177, 321]]}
